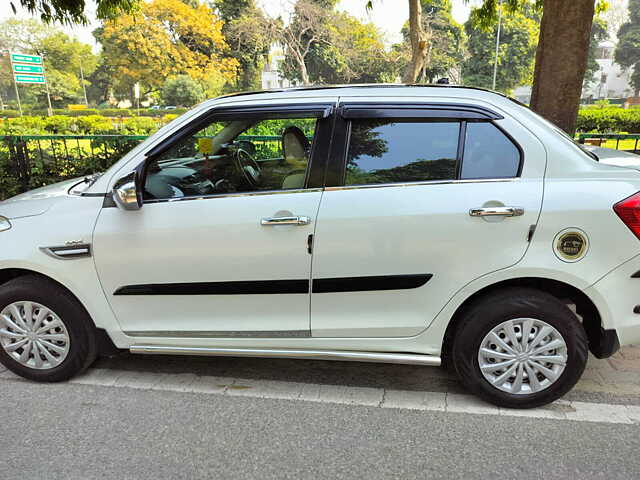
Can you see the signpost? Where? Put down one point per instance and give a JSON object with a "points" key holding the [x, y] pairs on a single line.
{"points": [[29, 69]]}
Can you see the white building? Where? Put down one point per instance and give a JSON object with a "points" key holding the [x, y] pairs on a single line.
{"points": [[271, 78], [610, 81]]}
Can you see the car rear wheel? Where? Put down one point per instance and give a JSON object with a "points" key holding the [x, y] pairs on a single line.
{"points": [[45, 333], [520, 348]]}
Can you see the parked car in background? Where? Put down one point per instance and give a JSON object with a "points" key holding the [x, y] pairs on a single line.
{"points": [[610, 156], [403, 224]]}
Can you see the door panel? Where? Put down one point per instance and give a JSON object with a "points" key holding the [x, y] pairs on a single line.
{"points": [[220, 247], [411, 230], [207, 267], [410, 216]]}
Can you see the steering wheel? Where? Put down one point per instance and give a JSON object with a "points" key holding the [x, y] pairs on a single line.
{"points": [[248, 167]]}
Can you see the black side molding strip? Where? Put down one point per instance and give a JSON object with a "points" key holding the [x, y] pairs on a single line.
{"points": [[266, 287], [369, 284], [259, 287]]}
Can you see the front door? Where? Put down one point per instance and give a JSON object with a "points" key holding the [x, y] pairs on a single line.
{"points": [[395, 238], [220, 246]]}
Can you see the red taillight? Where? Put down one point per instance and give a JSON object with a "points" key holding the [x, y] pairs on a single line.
{"points": [[629, 211]]}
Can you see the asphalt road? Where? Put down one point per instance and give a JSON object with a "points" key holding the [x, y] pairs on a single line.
{"points": [[85, 432]]}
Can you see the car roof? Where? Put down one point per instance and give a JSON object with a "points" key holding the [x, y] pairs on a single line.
{"points": [[382, 89]]}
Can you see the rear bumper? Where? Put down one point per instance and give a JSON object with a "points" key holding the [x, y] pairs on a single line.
{"points": [[616, 296]]}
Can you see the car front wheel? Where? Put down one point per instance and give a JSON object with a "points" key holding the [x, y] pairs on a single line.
{"points": [[520, 348], [45, 333]]}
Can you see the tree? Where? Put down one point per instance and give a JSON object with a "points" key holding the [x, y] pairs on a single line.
{"points": [[63, 57], [518, 40], [72, 11], [181, 90], [445, 47], [344, 50], [249, 34], [561, 55], [167, 37], [627, 51], [305, 30]]}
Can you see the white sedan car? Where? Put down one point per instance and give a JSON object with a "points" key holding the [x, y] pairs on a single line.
{"points": [[401, 224]]}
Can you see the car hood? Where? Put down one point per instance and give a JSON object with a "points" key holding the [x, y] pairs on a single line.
{"points": [[36, 202]]}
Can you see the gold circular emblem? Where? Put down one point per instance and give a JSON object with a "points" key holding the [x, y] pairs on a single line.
{"points": [[571, 245]]}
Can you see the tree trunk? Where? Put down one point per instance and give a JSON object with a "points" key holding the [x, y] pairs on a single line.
{"points": [[418, 42], [304, 73], [561, 60]]}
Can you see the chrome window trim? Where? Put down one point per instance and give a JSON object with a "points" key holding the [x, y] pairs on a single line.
{"points": [[231, 195], [330, 189], [426, 182]]}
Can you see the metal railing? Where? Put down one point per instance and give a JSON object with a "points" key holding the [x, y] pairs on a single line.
{"points": [[611, 140], [32, 161]]}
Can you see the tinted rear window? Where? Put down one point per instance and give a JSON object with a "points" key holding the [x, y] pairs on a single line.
{"points": [[488, 153]]}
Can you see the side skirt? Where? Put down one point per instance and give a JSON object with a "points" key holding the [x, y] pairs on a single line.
{"points": [[340, 355]]}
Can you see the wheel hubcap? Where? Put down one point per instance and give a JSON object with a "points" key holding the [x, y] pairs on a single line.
{"points": [[33, 335], [522, 356]]}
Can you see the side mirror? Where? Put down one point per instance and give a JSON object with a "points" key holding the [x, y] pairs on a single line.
{"points": [[127, 192]]}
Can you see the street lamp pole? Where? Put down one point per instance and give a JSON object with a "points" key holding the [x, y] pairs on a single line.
{"points": [[495, 65], [84, 88]]}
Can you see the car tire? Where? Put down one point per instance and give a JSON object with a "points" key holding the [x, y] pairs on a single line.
{"points": [[513, 372], [58, 331]]}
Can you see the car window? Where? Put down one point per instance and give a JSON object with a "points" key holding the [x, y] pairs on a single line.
{"points": [[235, 156], [488, 153], [390, 151]]}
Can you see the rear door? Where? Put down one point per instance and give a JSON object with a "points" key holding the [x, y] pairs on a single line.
{"points": [[420, 200]]}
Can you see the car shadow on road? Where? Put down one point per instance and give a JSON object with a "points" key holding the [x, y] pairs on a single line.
{"points": [[352, 374]]}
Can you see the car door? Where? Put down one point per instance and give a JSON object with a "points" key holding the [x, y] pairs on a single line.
{"points": [[220, 245], [420, 200]]}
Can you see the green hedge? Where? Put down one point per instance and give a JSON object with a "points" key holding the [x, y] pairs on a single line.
{"points": [[82, 125], [609, 120], [591, 119], [105, 112]]}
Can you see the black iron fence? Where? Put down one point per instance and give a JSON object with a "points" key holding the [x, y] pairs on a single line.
{"points": [[32, 161]]}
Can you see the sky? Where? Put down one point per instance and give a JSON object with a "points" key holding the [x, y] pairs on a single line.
{"points": [[387, 15]]}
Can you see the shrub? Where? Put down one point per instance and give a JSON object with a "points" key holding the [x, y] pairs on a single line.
{"points": [[9, 113], [608, 120]]}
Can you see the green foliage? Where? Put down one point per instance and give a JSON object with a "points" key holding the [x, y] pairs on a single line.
{"points": [[324, 46], [516, 56], [609, 120], [63, 58], [249, 33], [85, 125], [73, 11], [627, 51], [181, 90]]}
